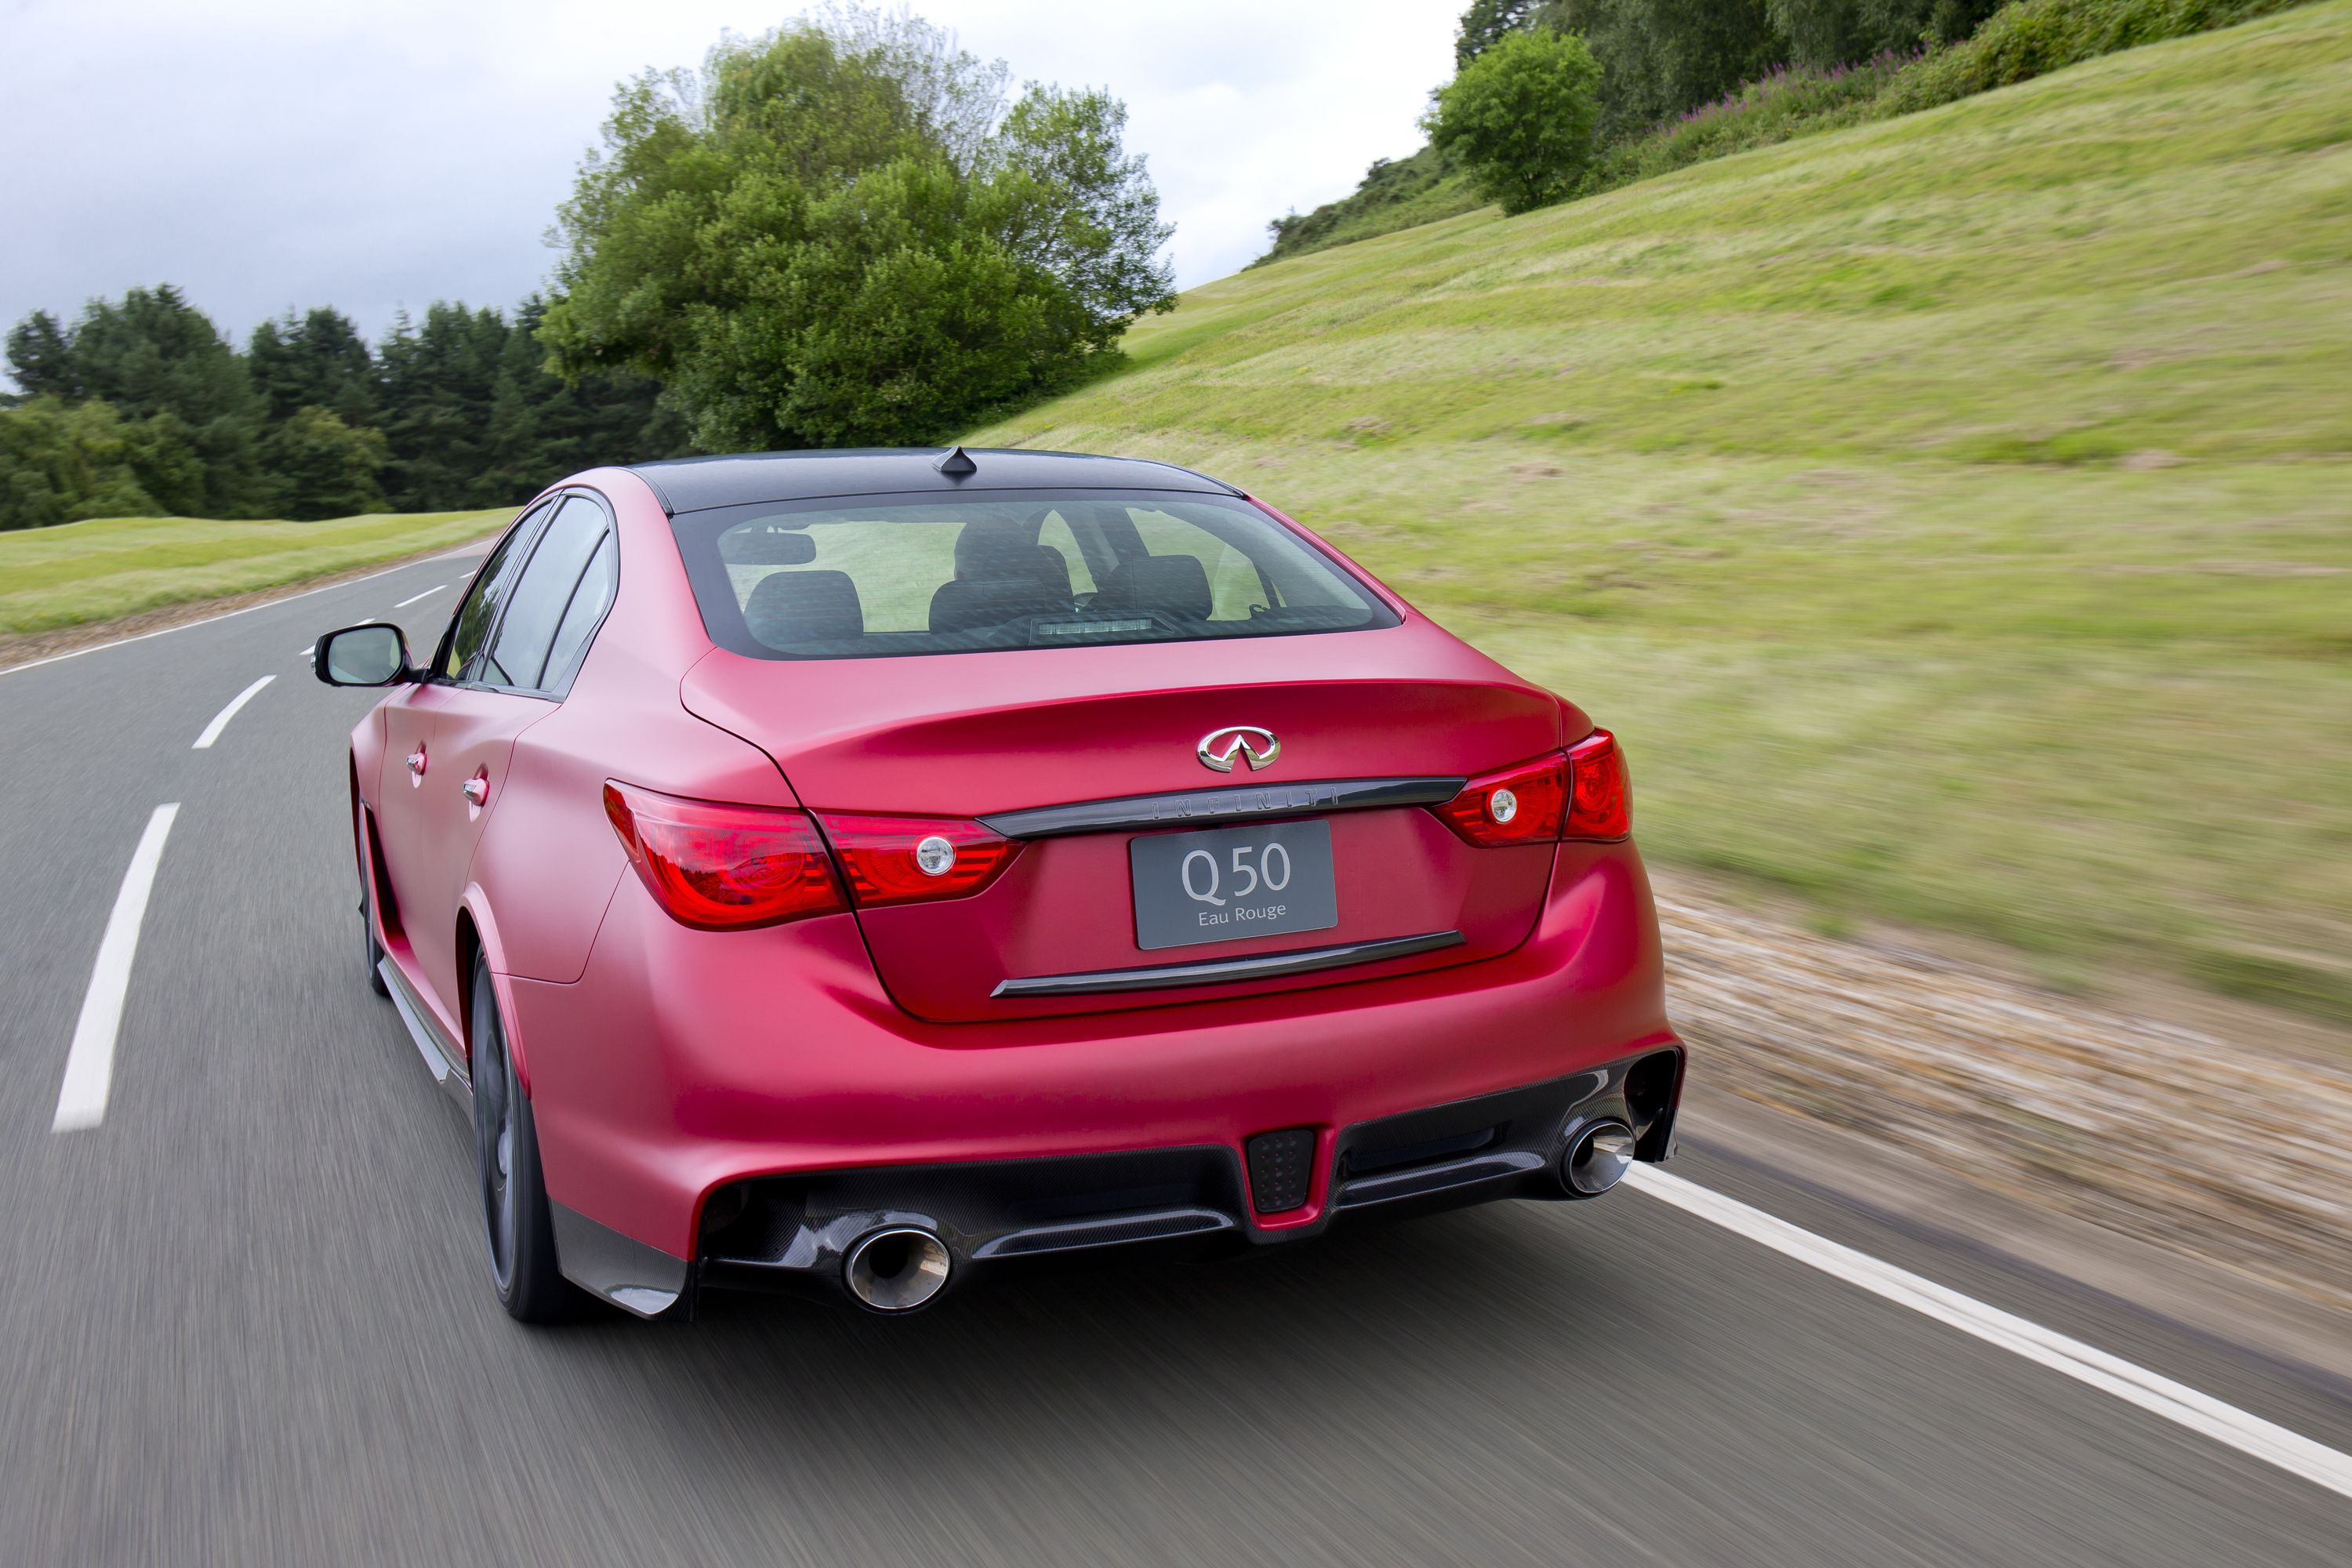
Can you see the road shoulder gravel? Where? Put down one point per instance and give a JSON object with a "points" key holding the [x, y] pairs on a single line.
{"points": [[2189, 1156]]}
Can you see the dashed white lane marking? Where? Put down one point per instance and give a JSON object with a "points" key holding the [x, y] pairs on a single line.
{"points": [[89, 1063], [220, 720], [427, 594], [2178, 1402], [458, 553]]}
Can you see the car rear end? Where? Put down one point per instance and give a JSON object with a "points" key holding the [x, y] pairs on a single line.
{"points": [[1154, 879]]}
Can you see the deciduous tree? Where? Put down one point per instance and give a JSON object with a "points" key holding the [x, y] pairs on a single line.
{"points": [[1520, 116], [840, 234]]}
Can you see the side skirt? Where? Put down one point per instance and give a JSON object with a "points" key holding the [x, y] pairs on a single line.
{"points": [[442, 1056]]}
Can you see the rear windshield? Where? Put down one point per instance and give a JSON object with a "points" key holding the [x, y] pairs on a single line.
{"points": [[885, 575]]}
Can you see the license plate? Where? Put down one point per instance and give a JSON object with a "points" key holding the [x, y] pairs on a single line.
{"points": [[1233, 882]]}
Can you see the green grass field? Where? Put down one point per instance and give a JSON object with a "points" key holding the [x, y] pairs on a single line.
{"points": [[1953, 514], [52, 578]]}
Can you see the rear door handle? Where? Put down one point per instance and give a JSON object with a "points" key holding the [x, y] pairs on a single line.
{"points": [[416, 761], [477, 789]]}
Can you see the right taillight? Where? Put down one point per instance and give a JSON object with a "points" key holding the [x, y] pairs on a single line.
{"points": [[1581, 795], [1516, 805], [1600, 803], [719, 866]]}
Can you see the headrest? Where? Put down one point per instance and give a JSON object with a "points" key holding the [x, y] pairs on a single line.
{"points": [[965, 606], [790, 607], [980, 547], [1175, 585]]}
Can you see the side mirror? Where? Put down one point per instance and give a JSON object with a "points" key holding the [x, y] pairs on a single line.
{"points": [[373, 655]]}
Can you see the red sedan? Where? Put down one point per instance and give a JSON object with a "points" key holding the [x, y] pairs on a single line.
{"points": [[868, 869]]}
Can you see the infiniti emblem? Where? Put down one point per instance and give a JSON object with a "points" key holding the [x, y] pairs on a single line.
{"points": [[1220, 749]]}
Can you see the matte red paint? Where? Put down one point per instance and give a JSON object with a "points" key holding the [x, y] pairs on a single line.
{"points": [[662, 1061]]}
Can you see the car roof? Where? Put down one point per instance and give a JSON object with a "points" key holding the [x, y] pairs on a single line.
{"points": [[694, 484]]}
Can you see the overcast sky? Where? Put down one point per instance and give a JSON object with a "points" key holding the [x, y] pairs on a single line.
{"points": [[272, 153]]}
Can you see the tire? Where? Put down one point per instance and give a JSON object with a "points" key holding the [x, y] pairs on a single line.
{"points": [[520, 1232], [372, 948]]}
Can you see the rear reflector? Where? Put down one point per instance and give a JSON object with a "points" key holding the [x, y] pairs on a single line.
{"points": [[1601, 801], [1517, 806], [913, 859], [723, 867]]}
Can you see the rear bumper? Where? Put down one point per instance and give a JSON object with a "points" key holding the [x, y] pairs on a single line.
{"points": [[793, 1232], [686, 1068]]}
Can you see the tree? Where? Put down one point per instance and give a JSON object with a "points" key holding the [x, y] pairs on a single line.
{"points": [[154, 355], [1483, 24], [541, 426], [1520, 116], [40, 358], [61, 462], [459, 411], [472, 416], [838, 233], [1661, 57], [327, 468], [316, 361], [438, 383], [1825, 33]]}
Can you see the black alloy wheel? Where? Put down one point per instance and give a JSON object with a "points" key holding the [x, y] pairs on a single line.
{"points": [[515, 1214]]}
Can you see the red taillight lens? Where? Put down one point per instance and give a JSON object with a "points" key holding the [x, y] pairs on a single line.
{"points": [[723, 867], [1600, 799], [912, 860], [1517, 806]]}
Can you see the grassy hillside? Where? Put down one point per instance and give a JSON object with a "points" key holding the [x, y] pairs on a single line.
{"points": [[1396, 194], [1954, 514], [108, 567]]}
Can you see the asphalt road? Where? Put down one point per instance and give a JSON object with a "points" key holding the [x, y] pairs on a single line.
{"points": [[245, 1317]]}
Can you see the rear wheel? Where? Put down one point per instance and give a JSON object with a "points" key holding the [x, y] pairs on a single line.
{"points": [[514, 1196]]}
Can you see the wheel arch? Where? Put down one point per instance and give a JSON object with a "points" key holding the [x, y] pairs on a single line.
{"points": [[477, 933]]}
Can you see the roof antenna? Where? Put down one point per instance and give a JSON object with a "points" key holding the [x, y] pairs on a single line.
{"points": [[957, 464]]}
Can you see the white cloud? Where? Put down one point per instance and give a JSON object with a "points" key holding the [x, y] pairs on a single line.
{"points": [[267, 155]]}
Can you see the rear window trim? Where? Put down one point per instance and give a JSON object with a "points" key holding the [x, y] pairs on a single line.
{"points": [[1012, 491], [715, 520]]}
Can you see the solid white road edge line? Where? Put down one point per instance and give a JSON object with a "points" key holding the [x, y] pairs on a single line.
{"points": [[2176, 1402], [220, 720], [427, 594], [89, 1063], [227, 614]]}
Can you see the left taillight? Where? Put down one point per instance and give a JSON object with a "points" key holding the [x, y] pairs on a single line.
{"points": [[913, 860], [719, 866]]}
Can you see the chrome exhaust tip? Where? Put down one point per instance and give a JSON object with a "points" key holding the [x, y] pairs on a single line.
{"points": [[896, 1269], [1598, 1158]]}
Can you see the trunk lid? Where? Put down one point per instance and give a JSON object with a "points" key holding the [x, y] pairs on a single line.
{"points": [[1006, 735]]}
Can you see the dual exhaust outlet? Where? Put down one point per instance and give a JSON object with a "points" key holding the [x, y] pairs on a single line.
{"points": [[898, 1269]]}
